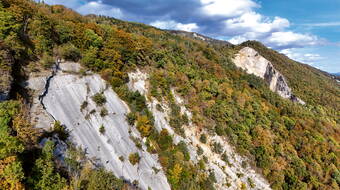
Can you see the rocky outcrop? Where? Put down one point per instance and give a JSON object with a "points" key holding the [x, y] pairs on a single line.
{"points": [[253, 63], [197, 36], [66, 96], [6, 64], [68, 99], [230, 173]]}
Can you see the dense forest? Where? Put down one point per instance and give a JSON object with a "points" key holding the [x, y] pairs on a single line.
{"points": [[294, 146]]}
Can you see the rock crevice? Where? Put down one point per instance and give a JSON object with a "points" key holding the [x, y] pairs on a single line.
{"points": [[41, 97]]}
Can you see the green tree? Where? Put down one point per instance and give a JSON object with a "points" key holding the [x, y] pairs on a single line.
{"points": [[92, 39], [44, 175]]}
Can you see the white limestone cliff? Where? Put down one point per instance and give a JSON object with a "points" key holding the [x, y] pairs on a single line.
{"points": [[67, 91], [63, 93], [253, 63]]}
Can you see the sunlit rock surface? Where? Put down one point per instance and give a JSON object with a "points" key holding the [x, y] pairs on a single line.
{"points": [[36, 84], [228, 175], [253, 63], [67, 91]]}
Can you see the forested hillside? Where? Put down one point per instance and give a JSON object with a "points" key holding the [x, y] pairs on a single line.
{"points": [[309, 83], [293, 146]]}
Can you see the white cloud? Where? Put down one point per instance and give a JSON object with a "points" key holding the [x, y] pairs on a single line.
{"points": [[280, 40], [254, 24], [175, 25], [272, 32], [238, 39], [227, 8], [291, 39], [98, 8], [309, 58]]}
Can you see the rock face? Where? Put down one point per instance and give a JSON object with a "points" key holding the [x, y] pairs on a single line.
{"points": [[230, 173], [253, 63], [69, 100], [66, 96]]}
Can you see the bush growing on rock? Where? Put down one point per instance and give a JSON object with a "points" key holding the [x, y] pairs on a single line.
{"points": [[60, 130], [134, 158], [131, 118], [102, 129], [83, 105], [217, 147], [99, 99], [103, 112], [203, 138], [143, 126]]}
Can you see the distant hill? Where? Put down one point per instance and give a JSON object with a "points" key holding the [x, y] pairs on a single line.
{"points": [[336, 76]]}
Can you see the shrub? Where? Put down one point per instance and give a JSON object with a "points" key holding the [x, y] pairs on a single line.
{"points": [[159, 108], [70, 53], [101, 179], [243, 186], [134, 158], [199, 151], [184, 149], [225, 159], [185, 119], [83, 105], [219, 130], [91, 60], [203, 138], [175, 175], [217, 147], [289, 123], [46, 61], [99, 99], [261, 157], [121, 158], [251, 183], [131, 118], [60, 130], [103, 112], [165, 140], [143, 126], [102, 129]]}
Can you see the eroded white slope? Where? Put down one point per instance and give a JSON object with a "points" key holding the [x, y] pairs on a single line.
{"points": [[253, 63], [227, 176], [66, 94]]}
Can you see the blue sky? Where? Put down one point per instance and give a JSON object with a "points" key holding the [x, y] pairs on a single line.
{"points": [[305, 30]]}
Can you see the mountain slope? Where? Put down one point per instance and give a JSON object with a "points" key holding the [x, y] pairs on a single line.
{"points": [[307, 82], [185, 113]]}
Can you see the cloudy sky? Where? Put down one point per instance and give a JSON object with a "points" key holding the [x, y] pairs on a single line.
{"points": [[305, 30]]}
